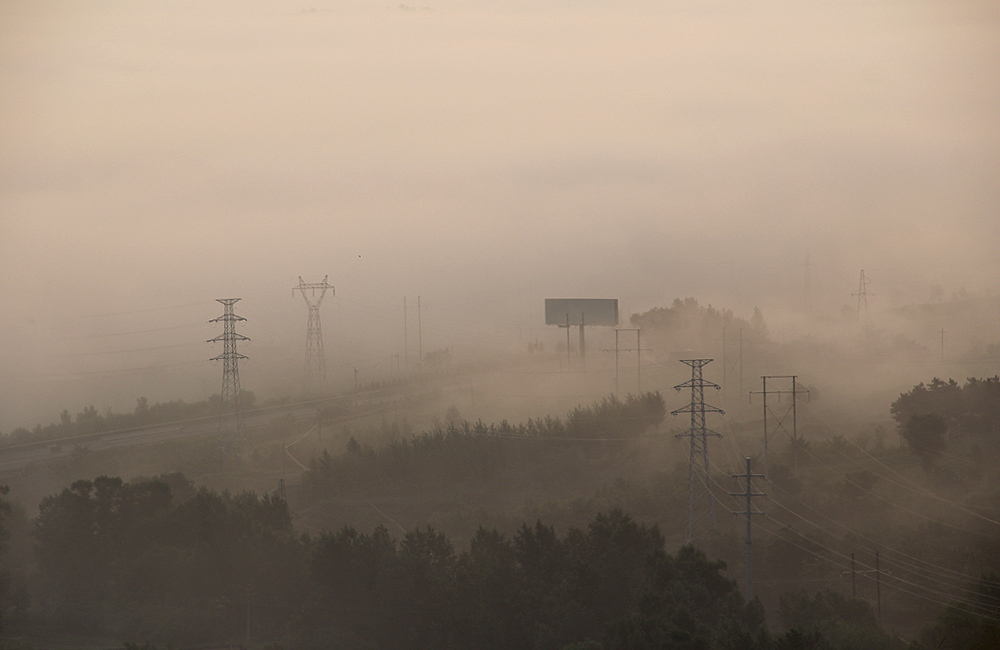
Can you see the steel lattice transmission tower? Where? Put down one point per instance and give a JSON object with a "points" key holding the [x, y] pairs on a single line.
{"points": [[231, 412], [315, 367], [862, 295], [701, 500]]}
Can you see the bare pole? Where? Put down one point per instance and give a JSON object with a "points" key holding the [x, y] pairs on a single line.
{"points": [[764, 379], [725, 371], [583, 345], [854, 579], [741, 361], [231, 408], [878, 589], [638, 360], [795, 428], [569, 360], [616, 363]]}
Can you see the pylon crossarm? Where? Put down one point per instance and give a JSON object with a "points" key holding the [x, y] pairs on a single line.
{"points": [[223, 337], [224, 357], [708, 408]]}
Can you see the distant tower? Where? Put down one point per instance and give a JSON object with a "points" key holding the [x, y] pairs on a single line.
{"points": [[701, 501], [862, 295], [231, 413], [315, 368]]}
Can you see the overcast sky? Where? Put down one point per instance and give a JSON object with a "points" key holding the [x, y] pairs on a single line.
{"points": [[484, 155]]}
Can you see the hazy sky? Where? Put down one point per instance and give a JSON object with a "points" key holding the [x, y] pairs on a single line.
{"points": [[155, 156]]}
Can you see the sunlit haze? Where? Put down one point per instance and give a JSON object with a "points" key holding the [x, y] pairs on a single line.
{"points": [[483, 156]]}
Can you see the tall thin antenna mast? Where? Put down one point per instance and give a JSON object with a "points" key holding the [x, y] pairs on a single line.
{"points": [[315, 366], [699, 477], [231, 412]]}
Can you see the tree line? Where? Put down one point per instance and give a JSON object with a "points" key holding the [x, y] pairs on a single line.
{"points": [[91, 421], [463, 453], [158, 563]]}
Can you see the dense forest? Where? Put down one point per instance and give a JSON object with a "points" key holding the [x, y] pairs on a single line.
{"points": [[165, 563], [159, 562]]}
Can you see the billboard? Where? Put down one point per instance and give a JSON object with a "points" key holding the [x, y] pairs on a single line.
{"points": [[581, 311]]}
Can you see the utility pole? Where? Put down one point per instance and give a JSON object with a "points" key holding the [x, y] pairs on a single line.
{"points": [[878, 582], [698, 470], [231, 412], [616, 363], [780, 418], [315, 366], [638, 361], [729, 368], [878, 589], [406, 335], [749, 512], [638, 356]]}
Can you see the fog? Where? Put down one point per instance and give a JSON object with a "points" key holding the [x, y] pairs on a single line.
{"points": [[480, 155]]}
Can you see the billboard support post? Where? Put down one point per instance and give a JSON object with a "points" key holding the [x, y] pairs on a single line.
{"points": [[567, 344], [592, 311]]}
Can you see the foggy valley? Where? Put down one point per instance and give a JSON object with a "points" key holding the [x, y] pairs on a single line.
{"points": [[385, 439]]}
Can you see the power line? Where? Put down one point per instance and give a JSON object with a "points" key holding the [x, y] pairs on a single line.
{"points": [[919, 489], [921, 592], [884, 500], [924, 567]]}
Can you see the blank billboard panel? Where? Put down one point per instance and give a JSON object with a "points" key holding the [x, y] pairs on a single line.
{"points": [[581, 311]]}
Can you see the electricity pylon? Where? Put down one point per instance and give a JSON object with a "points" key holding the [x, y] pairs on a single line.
{"points": [[231, 437], [315, 367], [862, 295], [700, 496]]}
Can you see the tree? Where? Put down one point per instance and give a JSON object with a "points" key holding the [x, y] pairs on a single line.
{"points": [[924, 435]]}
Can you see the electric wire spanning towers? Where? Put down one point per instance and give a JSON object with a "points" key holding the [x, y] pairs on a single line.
{"points": [[231, 437], [701, 500], [315, 367]]}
